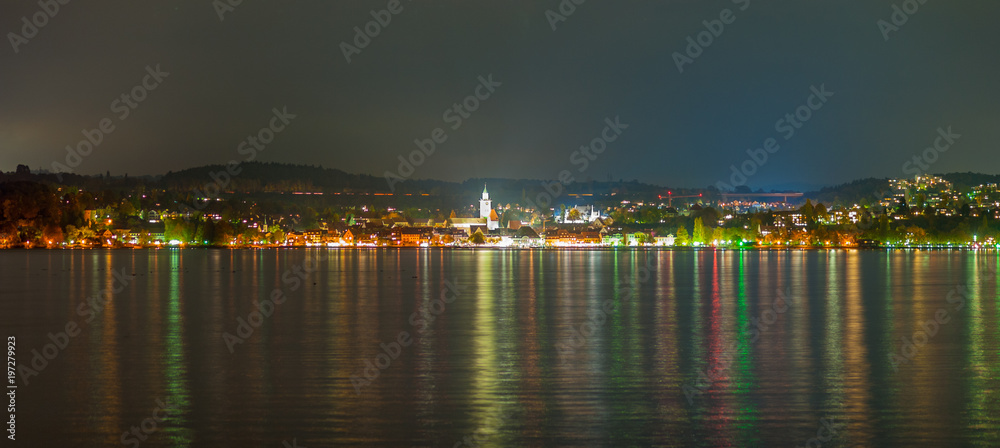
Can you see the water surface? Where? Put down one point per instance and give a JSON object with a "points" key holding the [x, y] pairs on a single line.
{"points": [[537, 348]]}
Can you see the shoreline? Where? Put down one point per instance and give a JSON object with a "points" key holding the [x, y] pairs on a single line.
{"points": [[541, 248]]}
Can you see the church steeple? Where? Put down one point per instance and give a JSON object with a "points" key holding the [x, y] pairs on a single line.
{"points": [[486, 210]]}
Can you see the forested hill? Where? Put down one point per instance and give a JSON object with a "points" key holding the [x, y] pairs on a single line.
{"points": [[262, 176], [280, 177], [870, 189], [853, 192], [969, 180]]}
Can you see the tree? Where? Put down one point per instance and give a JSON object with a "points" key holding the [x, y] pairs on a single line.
{"points": [[8, 234], [310, 219], [178, 229], [223, 234], [709, 215], [505, 218], [618, 215], [699, 231], [330, 217], [52, 234], [574, 214], [125, 210], [29, 234], [477, 238], [682, 238], [916, 235], [650, 215], [79, 234], [821, 212], [717, 235], [808, 210], [144, 238], [644, 238], [206, 232], [277, 236], [903, 208]]}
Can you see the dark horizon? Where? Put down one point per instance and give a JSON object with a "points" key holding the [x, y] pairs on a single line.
{"points": [[537, 183]]}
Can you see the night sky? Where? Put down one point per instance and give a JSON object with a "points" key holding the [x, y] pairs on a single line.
{"points": [[607, 59]]}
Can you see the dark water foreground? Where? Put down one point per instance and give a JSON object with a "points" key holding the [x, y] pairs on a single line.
{"points": [[458, 348]]}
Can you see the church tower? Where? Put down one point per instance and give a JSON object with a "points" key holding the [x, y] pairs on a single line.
{"points": [[485, 204], [486, 210]]}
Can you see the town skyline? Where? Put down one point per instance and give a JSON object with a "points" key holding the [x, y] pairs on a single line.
{"points": [[285, 209]]}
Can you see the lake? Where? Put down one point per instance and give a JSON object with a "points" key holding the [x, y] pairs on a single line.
{"points": [[448, 348]]}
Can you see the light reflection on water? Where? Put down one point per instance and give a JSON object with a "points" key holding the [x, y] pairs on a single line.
{"points": [[500, 364]]}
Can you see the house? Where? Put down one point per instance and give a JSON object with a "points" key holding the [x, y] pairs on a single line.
{"points": [[588, 237], [146, 234], [362, 236], [107, 238], [484, 229], [467, 224], [317, 237], [447, 236], [314, 236], [295, 239], [789, 217], [525, 236], [572, 237], [602, 222], [665, 240], [613, 239], [431, 223], [579, 215], [412, 236], [381, 237]]}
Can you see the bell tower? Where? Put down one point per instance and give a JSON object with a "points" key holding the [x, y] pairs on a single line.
{"points": [[485, 204]]}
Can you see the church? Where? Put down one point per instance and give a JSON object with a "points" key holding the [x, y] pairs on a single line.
{"points": [[487, 216], [486, 211], [584, 215]]}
